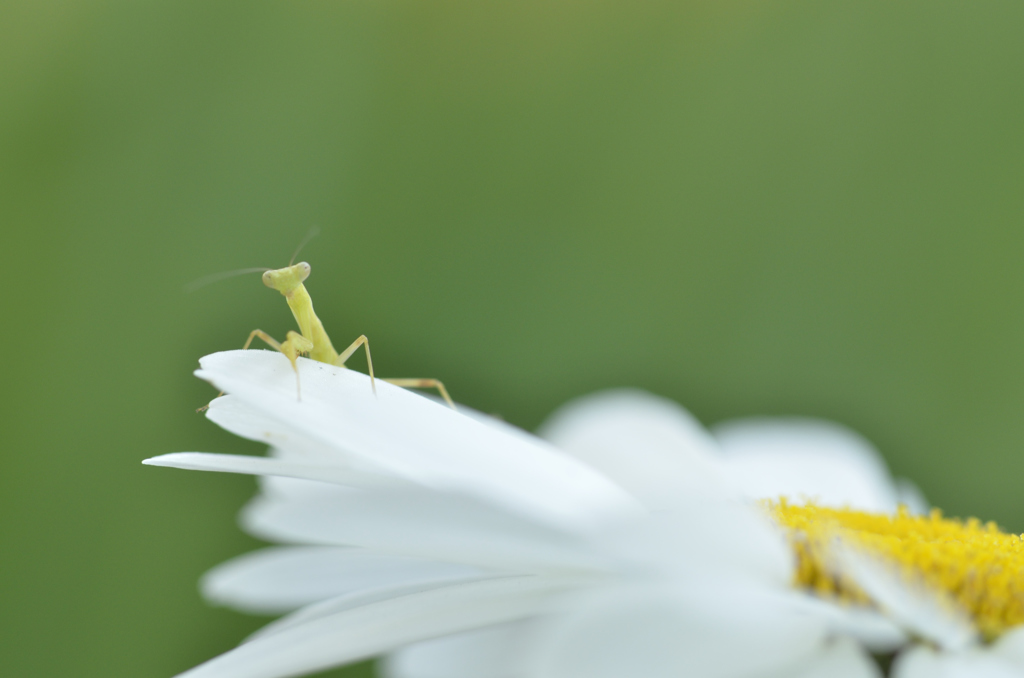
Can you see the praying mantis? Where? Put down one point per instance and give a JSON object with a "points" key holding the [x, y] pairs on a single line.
{"points": [[312, 339]]}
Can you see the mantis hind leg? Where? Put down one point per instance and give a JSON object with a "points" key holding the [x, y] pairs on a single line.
{"points": [[424, 383], [363, 342]]}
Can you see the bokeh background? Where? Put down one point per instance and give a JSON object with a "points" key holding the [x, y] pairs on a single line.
{"points": [[751, 206]]}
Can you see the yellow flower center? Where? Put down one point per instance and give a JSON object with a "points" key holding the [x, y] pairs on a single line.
{"points": [[974, 563]]}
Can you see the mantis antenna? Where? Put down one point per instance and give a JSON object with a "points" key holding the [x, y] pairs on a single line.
{"points": [[217, 277], [313, 232]]}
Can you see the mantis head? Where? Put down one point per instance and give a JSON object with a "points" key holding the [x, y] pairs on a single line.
{"points": [[284, 280]]}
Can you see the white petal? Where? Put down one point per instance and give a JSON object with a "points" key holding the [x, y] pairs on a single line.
{"points": [[354, 633], [705, 539], [869, 627], [236, 416], [911, 496], [924, 662], [289, 440], [925, 612], [841, 658], [435, 526], [417, 439], [1010, 648], [237, 463], [296, 488], [805, 459], [649, 445], [493, 652], [349, 601], [660, 632], [281, 579]]}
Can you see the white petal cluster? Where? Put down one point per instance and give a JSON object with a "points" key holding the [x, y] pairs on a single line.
{"points": [[623, 541]]}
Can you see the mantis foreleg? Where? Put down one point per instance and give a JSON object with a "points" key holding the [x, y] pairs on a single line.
{"points": [[292, 347]]}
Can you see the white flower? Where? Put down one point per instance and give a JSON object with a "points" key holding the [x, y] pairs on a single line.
{"points": [[622, 548], [955, 587]]}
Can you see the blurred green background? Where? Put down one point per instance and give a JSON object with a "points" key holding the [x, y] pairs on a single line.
{"points": [[754, 207]]}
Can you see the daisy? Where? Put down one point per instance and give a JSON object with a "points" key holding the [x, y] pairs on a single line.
{"points": [[466, 547], [955, 587]]}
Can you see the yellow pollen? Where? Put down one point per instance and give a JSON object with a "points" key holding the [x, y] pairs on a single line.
{"points": [[974, 563]]}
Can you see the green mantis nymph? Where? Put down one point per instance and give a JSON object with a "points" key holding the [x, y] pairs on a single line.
{"points": [[311, 339]]}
